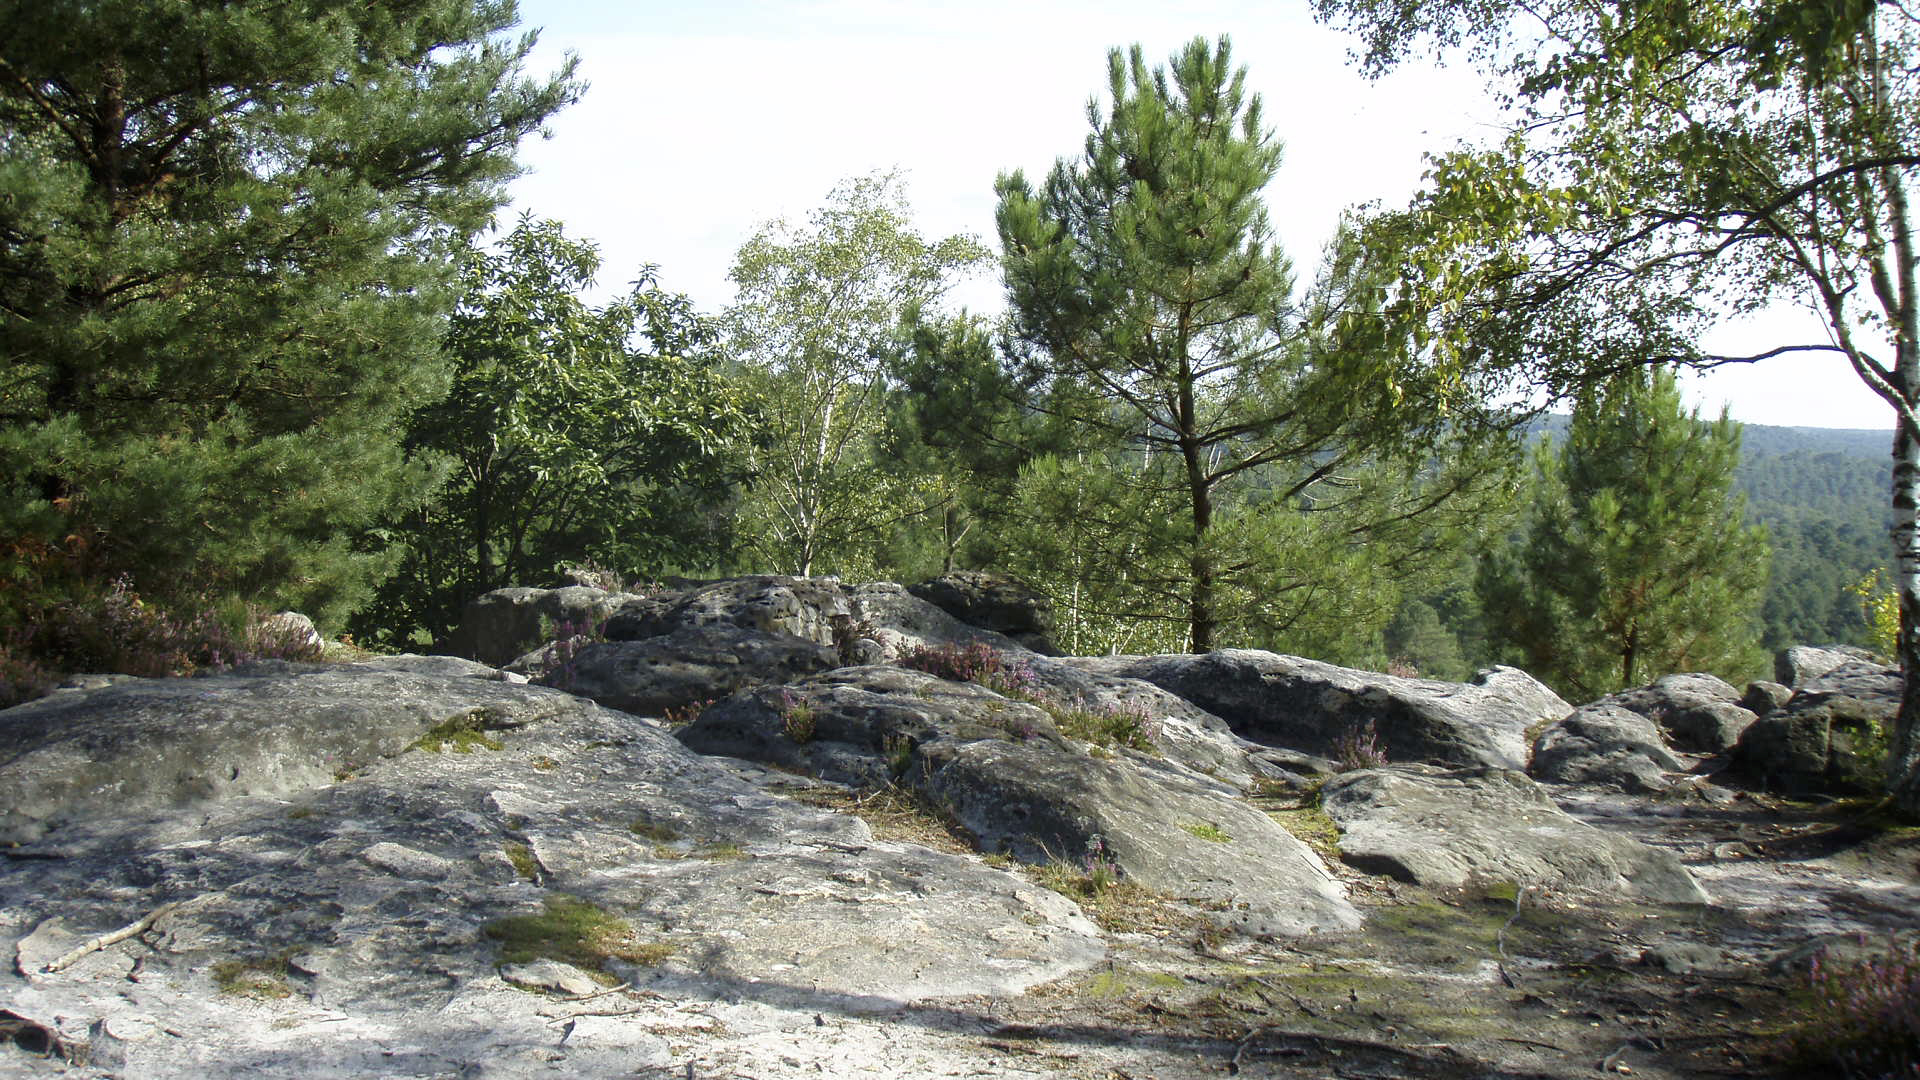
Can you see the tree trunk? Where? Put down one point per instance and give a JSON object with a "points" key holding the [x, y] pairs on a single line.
{"points": [[1903, 756]]}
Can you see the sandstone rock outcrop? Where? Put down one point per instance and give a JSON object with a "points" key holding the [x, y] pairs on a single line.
{"points": [[1308, 705], [1478, 827]]}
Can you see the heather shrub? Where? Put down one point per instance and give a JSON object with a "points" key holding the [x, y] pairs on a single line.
{"points": [[1863, 1020], [1359, 748], [1129, 725], [115, 631], [559, 659], [976, 662]]}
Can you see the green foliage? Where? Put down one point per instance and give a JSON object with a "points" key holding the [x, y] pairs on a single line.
{"points": [[114, 630], [223, 229], [570, 442], [1881, 607], [460, 733], [1418, 638], [816, 320], [1239, 465], [1635, 561]]}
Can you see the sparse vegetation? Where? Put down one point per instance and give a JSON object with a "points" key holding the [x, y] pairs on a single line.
{"points": [[796, 717], [263, 978], [460, 733], [573, 931], [1206, 830], [1862, 1020], [1359, 748], [521, 856]]}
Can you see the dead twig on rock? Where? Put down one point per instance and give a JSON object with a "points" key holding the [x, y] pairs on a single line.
{"points": [[114, 937]]}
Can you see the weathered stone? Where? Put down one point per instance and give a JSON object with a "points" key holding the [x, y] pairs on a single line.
{"points": [[507, 623], [1830, 738], [1308, 705], [1700, 713], [1763, 697], [1605, 745], [1008, 775], [155, 744], [1479, 827], [1803, 663], [362, 914], [692, 664], [993, 602]]}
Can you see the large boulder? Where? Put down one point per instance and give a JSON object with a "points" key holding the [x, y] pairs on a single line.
{"points": [[993, 602], [1804, 663], [1699, 713], [1457, 828], [1006, 772], [1604, 745], [688, 665], [506, 623], [397, 920], [1829, 739], [1308, 705], [151, 745]]}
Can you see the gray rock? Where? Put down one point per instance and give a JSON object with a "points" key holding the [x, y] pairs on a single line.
{"points": [[156, 744], [365, 913], [293, 628], [1830, 738], [770, 604], [1003, 769], [1605, 745], [693, 664], [1307, 705], [1479, 827], [1763, 697], [994, 602], [507, 623], [1700, 713], [1803, 663]]}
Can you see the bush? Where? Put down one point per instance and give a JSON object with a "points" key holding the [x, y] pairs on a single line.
{"points": [[115, 631], [1864, 1020], [976, 662], [1359, 748]]}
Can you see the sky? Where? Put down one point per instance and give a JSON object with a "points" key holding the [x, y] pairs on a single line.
{"points": [[702, 121]]}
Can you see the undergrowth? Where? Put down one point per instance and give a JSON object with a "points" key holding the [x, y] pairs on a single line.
{"points": [[1863, 1019], [114, 631], [1129, 724]]}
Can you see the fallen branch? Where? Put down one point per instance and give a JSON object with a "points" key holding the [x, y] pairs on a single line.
{"points": [[114, 937]]}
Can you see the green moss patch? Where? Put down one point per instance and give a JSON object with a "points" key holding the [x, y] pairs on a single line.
{"points": [[263, 978], [523, 861], [573, 931], [460, 733], [1206, 830]]}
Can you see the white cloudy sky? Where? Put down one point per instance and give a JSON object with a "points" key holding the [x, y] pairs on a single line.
{"points": [[704, 119]]}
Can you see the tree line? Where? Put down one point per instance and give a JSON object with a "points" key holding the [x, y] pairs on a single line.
{"points": [[257, 344]]}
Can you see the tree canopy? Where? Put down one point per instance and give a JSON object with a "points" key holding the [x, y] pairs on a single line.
{"points": [[570, 442], [223, 237], [1635, 561], [1668, 163], [1242, 430]]}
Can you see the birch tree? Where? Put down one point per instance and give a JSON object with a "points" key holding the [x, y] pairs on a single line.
{"points": [[816, 320], [1670, 163]]}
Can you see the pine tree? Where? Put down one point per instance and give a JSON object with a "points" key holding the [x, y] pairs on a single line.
{"points": [[1636, 562], [223, 241], [1289, 475]]}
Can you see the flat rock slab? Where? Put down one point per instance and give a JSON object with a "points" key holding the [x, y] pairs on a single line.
{"points": [[348, 928], [1453, 828], [1008, 775], [155, 744], [1307, 705]]}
